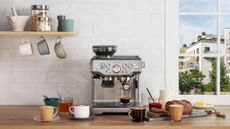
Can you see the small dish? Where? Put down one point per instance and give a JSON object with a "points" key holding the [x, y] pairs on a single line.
{"points": [[206, 106], [37, 118], [74, 118]]}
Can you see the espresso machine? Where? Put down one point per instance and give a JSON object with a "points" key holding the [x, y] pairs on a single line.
{"points": [[115, 82]]}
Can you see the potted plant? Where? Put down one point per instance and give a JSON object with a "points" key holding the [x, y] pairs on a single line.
{"points": [[207, 89]]}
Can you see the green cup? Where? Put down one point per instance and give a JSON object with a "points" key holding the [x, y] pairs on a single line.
{"points": [[68, 25], [51, 102]]}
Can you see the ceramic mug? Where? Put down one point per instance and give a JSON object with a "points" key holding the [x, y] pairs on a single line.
{"points": [[51, 102], [68, 25], [25, 48], [59, 49], [47, 113], [43, 47], [137, 113], [80, 111]]}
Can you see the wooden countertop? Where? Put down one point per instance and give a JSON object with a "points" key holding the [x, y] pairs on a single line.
{"points": [[15, 117]]}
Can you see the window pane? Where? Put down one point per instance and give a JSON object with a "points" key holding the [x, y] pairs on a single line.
{"points": [[224, 76], [225, 4], [225, 30], [197, 75], [198, 34], [198, 5]]}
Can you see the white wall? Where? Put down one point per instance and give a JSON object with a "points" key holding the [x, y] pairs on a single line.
{"points": [[135, 26]]}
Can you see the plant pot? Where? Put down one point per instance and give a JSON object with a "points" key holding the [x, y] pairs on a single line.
{"points": [[225, 93], [208, 93]]}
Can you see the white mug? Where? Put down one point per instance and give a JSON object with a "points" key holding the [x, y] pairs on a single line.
{"points": [[25, 48], [80, 111]]}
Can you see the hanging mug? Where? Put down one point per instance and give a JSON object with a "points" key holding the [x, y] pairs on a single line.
{"points": [[59, 49], [25, 48], [43, 47]]}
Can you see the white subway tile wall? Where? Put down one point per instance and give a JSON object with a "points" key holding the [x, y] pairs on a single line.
{"points": [[135, 26]]}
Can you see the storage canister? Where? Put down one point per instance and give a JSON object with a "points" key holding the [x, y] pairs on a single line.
{"points": [[38, 11]]}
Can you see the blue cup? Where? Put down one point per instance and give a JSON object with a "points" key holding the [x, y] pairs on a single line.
{"points": [[51, 102], [68, 25]]}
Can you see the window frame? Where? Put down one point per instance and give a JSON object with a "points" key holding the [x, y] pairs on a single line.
{"points": [[170, 51]]}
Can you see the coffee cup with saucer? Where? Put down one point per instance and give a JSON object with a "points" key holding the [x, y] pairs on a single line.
{"points": [[47, 114], [80, 112]]}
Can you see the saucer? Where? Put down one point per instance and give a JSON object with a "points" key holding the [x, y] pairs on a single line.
{"points": [[74, 118], [207, 105], [37, 118]]}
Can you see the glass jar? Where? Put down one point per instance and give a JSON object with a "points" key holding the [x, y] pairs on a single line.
{"points": [[38, 11], [43, 24]]}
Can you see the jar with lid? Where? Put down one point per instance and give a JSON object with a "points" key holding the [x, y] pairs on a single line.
{"points": [[38, 11], [44, 24]]}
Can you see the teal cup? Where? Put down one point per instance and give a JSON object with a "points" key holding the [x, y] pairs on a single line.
{"points": [[68, 25], [51, 102]]}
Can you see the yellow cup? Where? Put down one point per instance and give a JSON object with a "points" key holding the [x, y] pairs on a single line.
{"points": [[47, 113]]}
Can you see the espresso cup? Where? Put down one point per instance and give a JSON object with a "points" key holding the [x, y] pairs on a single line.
{"points": [[176, 112], [124, 99], [25, 48], [47, 113], [137, 113], [43, 47], [80, 111]]}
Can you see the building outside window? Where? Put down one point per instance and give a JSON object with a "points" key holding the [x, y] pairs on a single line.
{"points": [[204, 46], [206, 49]]}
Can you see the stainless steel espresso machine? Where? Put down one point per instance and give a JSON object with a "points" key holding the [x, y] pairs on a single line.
{"points": [[115, 81]]}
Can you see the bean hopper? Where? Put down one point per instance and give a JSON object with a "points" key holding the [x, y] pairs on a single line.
{"points": [[115, 80]]}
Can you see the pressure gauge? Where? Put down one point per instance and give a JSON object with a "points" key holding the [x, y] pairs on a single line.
{"points": [[116, 68]]}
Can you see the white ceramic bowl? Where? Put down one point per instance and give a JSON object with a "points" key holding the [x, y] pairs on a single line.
{"points": [[18, 23]]}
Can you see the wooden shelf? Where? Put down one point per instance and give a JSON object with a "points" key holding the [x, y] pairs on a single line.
{"points": [[32, 33]]}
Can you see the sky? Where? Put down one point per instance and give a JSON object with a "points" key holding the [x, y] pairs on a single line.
{"points": [[192, 26]]}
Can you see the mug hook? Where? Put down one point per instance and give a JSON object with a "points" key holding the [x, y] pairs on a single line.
{"points": [[27, 40], [58, 40], [42, 38]]}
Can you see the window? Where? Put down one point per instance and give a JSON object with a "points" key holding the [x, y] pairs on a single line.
{"points": [[204, 47]]}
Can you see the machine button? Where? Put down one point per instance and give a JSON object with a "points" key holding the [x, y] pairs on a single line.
{"points": [[116, 68], [135, 66], [130, 66], [124, 66], [97, 66], [102, 66], [108, 66]]}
